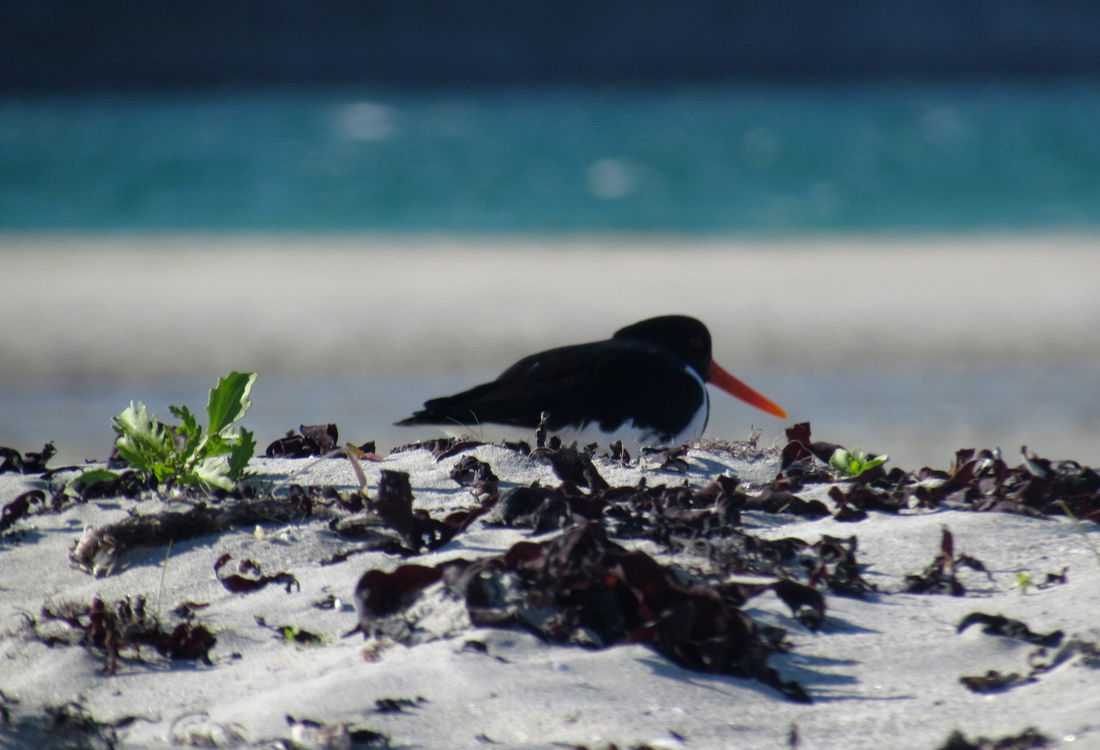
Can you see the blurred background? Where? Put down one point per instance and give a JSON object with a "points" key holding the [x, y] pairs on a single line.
{"points": [[887, 212]]}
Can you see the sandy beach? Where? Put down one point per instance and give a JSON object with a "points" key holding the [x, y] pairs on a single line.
{"points": [[908, 346], [883, 668]]}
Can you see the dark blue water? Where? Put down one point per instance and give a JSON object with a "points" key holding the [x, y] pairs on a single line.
{"points": [[873, 157]]}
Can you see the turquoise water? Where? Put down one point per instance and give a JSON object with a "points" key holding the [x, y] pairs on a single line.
{"points": [[875, 157]]}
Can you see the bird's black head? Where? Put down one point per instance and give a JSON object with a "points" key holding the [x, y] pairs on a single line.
{"points": [[684, 336]]}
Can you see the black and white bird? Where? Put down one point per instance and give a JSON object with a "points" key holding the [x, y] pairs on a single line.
{"points": [[646, 385]]}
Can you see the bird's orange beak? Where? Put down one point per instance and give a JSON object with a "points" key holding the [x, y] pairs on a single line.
{"points": [[736, 388]]}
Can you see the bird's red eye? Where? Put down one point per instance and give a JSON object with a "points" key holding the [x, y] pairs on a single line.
{"points": [[696, 342]]}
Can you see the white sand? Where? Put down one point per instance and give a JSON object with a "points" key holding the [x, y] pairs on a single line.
{"points": [[883, 672]]}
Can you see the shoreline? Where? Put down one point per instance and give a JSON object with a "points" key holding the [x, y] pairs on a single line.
{"points": [[265, 299]]}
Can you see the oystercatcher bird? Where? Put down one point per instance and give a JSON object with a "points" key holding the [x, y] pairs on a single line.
{"points": [[646, 384]]}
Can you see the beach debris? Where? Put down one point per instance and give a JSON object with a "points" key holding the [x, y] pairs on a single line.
{"points": [[582, 588], [983, 481], [1028, 739], [977, 481], [20, 507], [311, 440], [380, 593], [854, 503], [249, 577], [31, 462], [414, 530], [123, 624], [397, 705], [571, 465], [774, 499], [441, 448], [802, 460], [1086, 654], [995, 682], [307, 733], [667, 458], [99, 550], [394, 506], [469, 471], [940, 575], [542, 509], [67, 725], [292, 633], [1008, 628], [197, 729]]}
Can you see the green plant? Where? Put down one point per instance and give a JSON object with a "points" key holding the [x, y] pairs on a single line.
{"points": [[854, 462], [1024, 582], [186, 454]]}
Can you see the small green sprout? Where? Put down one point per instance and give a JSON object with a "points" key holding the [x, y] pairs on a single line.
{"points": [[855, 462], [1023, 581], [186, 454], [293, 634]]}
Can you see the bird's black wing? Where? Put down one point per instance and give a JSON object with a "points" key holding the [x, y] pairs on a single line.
{"points": [[618, 381]]}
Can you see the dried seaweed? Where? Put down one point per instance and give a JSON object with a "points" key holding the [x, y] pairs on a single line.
{"points": [[1087, 653], [469, 471], [940, 575], [125, 624], [982, 480], [802, 460], [394, 506], [392, 524], [380, 594], [440, 448], [582, 588], [571, 465], [667, 458], [1008, 628], [978, 481], [995, 682], [249, 577], [30, 462], [1028, 739], [20, 507], [397, 705], [311, 440]]}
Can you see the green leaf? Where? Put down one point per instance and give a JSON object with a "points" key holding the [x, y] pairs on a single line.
{"points": [[217, 445], [241, 454], [877, 461], [96, 476], [189, 424], [143, 441], [229, 400], [840, 460], [855, 462], [212, 472], [189, 432]]}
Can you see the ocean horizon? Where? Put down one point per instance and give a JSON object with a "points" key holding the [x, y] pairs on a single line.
{"points": [[749, 159]]}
